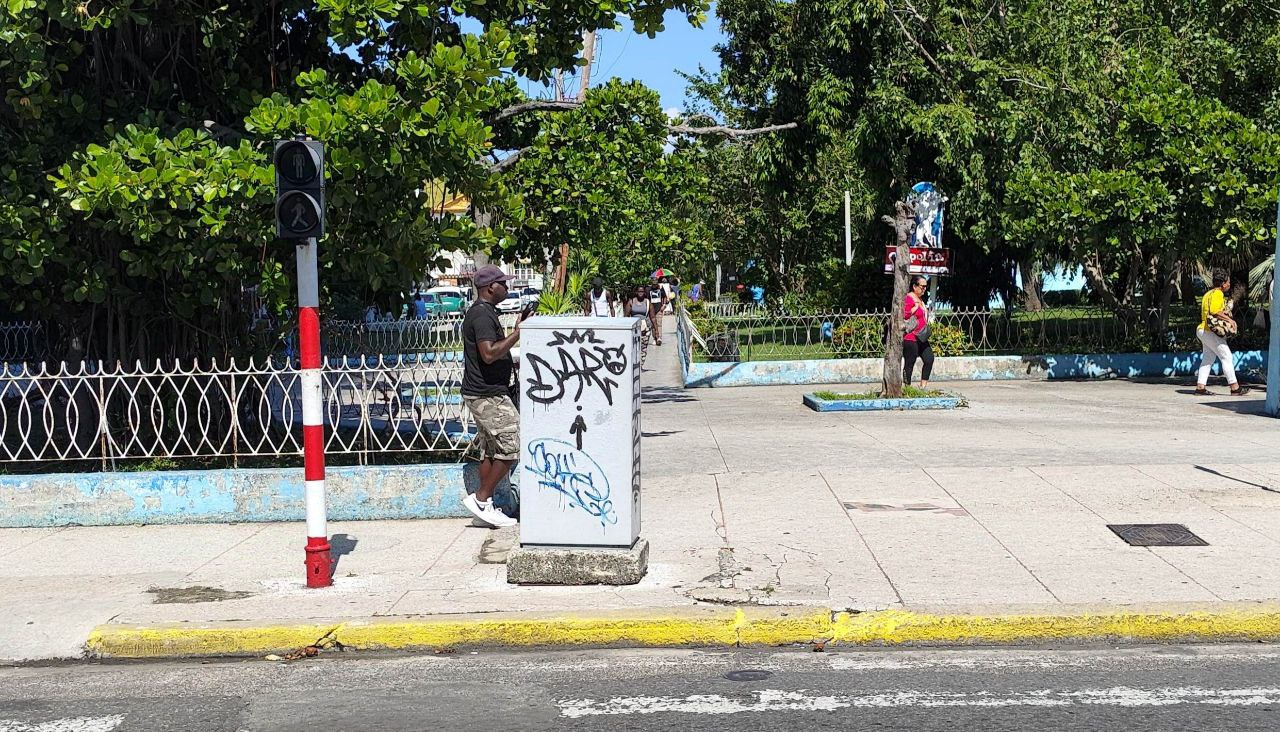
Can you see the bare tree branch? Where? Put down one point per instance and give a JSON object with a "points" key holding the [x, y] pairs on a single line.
{"points": [[537, 105], [920, 46], [728, 131], [548, 105], [1028, 83], [926, 23]]}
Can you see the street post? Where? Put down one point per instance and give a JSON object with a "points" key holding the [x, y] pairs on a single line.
{"points": [[299, 166]]}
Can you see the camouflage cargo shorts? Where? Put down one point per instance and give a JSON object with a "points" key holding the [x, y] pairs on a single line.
{"points": [[498, 426]]}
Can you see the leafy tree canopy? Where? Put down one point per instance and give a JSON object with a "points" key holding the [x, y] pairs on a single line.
{"points": [[136, 189], [1128, 136]]}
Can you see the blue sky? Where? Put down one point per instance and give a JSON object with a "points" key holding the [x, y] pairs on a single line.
{"points": [[629, 55]]}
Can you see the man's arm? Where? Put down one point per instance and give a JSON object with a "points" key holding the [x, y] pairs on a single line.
{"points": [[490, 342], [491, 351]]}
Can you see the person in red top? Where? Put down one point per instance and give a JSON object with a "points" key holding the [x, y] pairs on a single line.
{"points": [[914, 344]]}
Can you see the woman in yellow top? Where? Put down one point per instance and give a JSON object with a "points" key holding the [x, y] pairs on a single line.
{"points": [[1214, 302]]}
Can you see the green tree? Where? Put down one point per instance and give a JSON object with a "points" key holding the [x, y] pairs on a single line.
{"points": [[1125, 136], [597, 177], [135, 192]]}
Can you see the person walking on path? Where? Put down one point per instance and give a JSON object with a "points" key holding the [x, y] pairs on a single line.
{"points": [[657, 302], [1214, 306], [915, 343], [669, 291], [639, 307], [600, 301], [486, 384]]}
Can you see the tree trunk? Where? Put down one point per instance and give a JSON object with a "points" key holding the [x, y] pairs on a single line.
{"points": [[588, 55], [562, 272], [902, 222], [1097, 279], [1171, 273], [1032, 285]]}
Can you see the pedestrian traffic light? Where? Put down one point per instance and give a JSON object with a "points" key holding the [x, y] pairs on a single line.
{"points": [[299, 189]]}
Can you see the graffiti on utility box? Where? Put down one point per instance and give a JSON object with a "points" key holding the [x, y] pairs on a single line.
{"points": [[580, 359], [580, 428]]}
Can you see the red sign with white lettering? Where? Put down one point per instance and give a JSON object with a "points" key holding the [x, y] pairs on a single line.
{"points": [[923, 260]]}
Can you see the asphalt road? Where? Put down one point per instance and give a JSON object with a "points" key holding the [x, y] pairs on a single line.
{"points": [[1141, 688]]}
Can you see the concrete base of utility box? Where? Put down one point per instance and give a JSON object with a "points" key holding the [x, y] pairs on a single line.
{"points": [[578, 565]]}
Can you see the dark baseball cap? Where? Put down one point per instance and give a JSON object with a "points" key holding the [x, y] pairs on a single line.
{"points": [[489, 274]]}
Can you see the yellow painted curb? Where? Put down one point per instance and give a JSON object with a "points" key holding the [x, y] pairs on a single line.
{"points": [[719, 626], [706, 627], [903, 626]]}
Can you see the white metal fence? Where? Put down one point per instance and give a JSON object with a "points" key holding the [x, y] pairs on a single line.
{"points": [[378, 408], [97, 412]]}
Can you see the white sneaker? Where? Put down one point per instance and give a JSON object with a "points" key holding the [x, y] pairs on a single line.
{"points": [[487, 513]]}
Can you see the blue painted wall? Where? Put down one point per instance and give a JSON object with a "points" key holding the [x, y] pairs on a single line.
{"points": [[233, 496], [1131, 365], [957, 368], [851, 371]]}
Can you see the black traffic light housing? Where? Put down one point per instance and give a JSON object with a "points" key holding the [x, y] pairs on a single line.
{"points": [[299, 189]]}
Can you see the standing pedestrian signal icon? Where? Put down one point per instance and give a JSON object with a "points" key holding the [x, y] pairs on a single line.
{"points": [[299, 168]]}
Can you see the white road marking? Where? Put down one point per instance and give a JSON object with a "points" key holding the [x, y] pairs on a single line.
{"points": [[69, 724], [772, 700], [997, 660]]}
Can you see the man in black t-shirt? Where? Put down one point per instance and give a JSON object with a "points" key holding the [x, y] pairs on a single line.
{"points": [[486, 380]]}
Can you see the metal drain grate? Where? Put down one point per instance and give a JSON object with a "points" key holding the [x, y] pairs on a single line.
{"points": [[1157, 535]]}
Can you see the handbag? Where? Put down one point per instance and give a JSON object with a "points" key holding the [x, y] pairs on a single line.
{"points": [[923, 336], [914, 322], [1220, 327]]}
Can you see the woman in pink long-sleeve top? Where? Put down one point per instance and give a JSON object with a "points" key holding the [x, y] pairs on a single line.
{"points": [[914, 345]]}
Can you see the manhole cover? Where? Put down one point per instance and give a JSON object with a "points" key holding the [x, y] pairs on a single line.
{"points": [[748, 675], [1157, 535]]}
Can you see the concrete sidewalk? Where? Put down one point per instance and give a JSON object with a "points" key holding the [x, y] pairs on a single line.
{"points": [[753, 501]]}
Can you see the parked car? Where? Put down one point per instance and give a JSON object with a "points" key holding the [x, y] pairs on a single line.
{"points": [[530, 296], [448, 300], [513, 303]]}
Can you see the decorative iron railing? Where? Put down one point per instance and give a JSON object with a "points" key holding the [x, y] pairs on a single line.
{"points": [[99, 412], [748, 333]]}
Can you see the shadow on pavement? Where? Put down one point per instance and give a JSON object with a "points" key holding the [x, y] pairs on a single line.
{"points": [[1240, 405], [1238, 480], [340, 545], [664, 395], [663, 433]]}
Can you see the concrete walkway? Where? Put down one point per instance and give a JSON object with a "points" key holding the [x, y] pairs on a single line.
{"points": [[752, 499]]}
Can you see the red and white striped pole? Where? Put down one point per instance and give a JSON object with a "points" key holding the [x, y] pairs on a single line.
{"points": [[319, 567]]}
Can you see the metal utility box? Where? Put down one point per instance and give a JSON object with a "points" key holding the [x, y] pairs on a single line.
{"points": [[580, 432]]}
